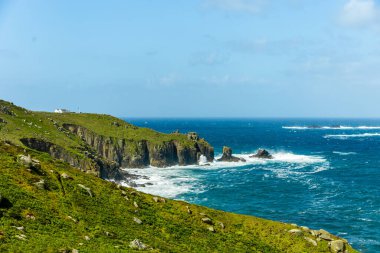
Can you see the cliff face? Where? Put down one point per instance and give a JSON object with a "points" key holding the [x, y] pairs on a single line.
{"points": [[89, 164], [137, 154], [96, 143]]}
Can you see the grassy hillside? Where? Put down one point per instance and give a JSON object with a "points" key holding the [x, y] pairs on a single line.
{"points": [[46, 205]]}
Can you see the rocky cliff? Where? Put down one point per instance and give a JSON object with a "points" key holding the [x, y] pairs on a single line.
{"points": [[137, 154]]}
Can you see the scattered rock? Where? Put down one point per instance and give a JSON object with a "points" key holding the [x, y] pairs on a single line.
{"points": [[19, 228], [137, 220], [135, 204], [323, 234], [163, 200], [312, 241], [40, 184], [221, 225], [30, 216], [337, 246], [21, 237], [155, 199], [88, 190], [304, 228], [192, 136], [66, 176], [115, 123], [137, 244], [295, 231], [74, 251], [207, 220], [228, 157], [6, 110], [124, 193], [211, 229], [28, 162], [188, 210], [294, 225], [71, 218], [87, 238], [126, 198], [262, 153], [202, 214]]}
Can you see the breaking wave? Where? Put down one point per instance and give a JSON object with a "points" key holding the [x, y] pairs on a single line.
{"points": [[176, 180], [346, 136], [332, 127]]}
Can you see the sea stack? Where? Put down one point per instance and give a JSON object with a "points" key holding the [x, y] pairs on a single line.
{"points": [[262, 153], [228, 157]]}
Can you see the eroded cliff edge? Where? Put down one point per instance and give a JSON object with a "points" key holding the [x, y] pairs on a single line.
{"points": [[99, 144]]}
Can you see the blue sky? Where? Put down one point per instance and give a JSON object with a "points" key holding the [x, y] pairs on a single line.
{"points": [[199, 58]]}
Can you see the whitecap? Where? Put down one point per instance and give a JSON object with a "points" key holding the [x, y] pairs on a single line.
{"points": [[344, 153], [346, 136], [332, 127]]}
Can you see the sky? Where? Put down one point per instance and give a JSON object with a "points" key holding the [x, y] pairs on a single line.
{"points": [[193, 58]]}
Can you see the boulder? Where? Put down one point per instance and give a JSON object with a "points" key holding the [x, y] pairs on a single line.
{"points": [[311, 241], [40, 184], [337, 246], [28, 162], [211, 229], [66, 176], [137, 244], [192, 136], [228, 157], [295, 231], [137, 220], [207, 221], [262, 153]]}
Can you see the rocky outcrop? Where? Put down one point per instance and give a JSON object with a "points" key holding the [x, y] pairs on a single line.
{"points": [[262, 153], [104, 156], [6, 110], [228, 157], [89, 164], [141, 153]]}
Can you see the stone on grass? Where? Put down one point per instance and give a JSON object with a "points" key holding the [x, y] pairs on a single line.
{"points": [[312, 241], [137, 244], [207, 220], [337, 246], [137, 220], [295, 231]]}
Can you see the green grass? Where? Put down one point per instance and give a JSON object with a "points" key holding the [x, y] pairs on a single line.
{"points": [[107, 217]]}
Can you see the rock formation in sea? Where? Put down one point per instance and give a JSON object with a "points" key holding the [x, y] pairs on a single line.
{"points": [[262, 153], [228, 157]]}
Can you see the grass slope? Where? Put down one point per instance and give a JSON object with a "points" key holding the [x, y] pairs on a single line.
{"points": [[57, 214]]}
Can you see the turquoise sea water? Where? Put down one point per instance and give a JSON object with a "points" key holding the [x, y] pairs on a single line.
{"points": [[325, 172]]}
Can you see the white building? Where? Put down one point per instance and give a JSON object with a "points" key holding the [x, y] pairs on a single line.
{"points": [[61, 111]]}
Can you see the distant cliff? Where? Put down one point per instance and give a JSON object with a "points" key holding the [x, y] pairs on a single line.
{"points": [[100, 144]]}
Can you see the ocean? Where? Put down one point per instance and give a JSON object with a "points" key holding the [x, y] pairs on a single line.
{"points": [[325, 172]]}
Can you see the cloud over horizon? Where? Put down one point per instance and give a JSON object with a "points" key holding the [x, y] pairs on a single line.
{"points": [[359, 13]]}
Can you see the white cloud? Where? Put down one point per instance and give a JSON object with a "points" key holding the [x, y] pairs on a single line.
{"points": [[359, 12], [251, 6]]}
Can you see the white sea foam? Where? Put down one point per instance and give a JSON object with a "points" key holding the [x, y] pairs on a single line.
{"points": [[166, 182], [332, 127], [346, 136], [344, 153], [176, 180]]}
